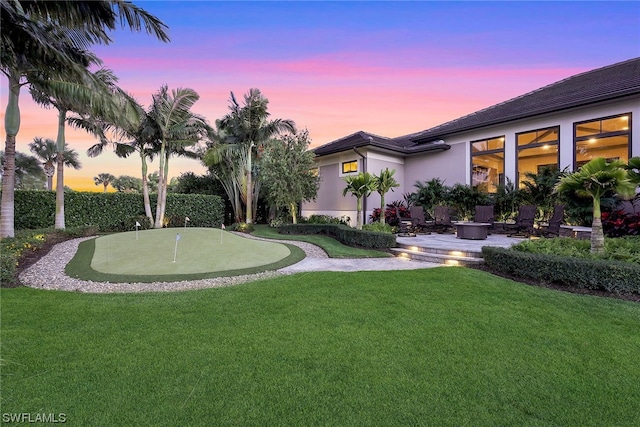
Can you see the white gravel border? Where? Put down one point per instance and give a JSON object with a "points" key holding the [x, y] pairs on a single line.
{"points": [[48, 273]]}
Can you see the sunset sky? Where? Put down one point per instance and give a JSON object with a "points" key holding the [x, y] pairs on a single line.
{"points": [[389, 68]]}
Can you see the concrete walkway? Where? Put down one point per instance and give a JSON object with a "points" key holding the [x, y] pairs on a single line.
{"points": [[356, 264]]}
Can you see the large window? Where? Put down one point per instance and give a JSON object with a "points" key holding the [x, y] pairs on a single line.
{"points": [[537, 150], [487, 163], [350, 167], [608, 137]]}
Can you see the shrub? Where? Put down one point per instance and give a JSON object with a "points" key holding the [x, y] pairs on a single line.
{"points": [[391, 213], [619, 249], [113, 211], [379, 227], [346, 235], [620, 223], [242, 227], [611, 276], [14, 250], [327, 219]]}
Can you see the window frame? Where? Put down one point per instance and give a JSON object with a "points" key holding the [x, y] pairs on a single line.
{"points": [[536, 145], [349, 162], [480, 153], [577, 139]]}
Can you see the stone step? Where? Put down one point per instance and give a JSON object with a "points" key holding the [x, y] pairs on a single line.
{"points": [[438, 258], [466, 253]]}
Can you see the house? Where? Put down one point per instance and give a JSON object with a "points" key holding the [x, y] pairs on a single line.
{"points": [[562, 125]]}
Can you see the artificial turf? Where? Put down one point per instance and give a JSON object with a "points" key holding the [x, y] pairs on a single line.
{"points": [[120, 258], [442, 346]]}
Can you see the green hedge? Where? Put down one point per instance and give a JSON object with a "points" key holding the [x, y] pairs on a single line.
{"points": [[344, 234], [611, 276], [113, 211]]}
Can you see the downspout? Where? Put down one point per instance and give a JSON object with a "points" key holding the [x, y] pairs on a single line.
{"points": [[364, 198]]}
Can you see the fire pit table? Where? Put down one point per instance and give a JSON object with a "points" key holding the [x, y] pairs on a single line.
{"points": [[472, 230]]}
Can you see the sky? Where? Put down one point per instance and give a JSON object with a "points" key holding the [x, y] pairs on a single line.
{"points": [[388, 67]]}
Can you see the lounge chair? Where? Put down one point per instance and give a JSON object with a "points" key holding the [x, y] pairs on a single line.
{"points": [[403, 224], [553, 227], [524, 222], [442, 219], [484, 214], [418, 222]]}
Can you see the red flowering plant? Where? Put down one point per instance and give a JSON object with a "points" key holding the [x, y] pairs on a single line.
{"points": [[620, 223], [390, 213]]}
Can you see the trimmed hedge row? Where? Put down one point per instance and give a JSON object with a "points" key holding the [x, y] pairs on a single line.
{"points": [[113, 211], [344, 234], [611, 276]]}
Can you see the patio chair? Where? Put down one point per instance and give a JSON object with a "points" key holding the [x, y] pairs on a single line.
{"points": [[484, 214], [552, 229], [524, 222], [442, 219], [403, 224], [418, 222]]}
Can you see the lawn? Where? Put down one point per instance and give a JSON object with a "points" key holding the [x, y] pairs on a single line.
{"points": [[443, 346], [331, 246]]}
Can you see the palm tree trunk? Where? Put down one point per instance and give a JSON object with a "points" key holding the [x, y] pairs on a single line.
{"points": [[294, 213], [59, 221], [164, 191], [249, 187], [145, 189], [11, 126], [159, 217], [359, 213], [105, 184], [382, 217], [597, 234]]}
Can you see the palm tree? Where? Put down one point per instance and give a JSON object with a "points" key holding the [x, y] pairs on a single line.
{"points": [[633, 168], [360, 186], [105, 179], [46, 151], [96, 94], [594, 179], [247, 128], [385, 182], [178, 128], [28, 172], [43, 40], [141, 132]]}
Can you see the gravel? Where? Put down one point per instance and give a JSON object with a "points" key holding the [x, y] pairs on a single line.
{"points": [[48, 273]]}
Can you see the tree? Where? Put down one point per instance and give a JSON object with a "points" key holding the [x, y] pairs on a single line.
{"points": [[178, 128], [429, 194], [28, 172], [127, 184], [287, 172], [595, 179], [360, 186], [385, 182], [247, 129], [46, 151], [105, 179], [538, 190], [42, 40], [633, 168]]}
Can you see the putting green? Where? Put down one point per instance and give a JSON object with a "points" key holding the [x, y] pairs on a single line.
{"points": [[199, 250]]}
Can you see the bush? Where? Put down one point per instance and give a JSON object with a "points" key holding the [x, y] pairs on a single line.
{"points": [[326, 219], [242, 227], [625, 249], [346, 235], [611, 276], [391, 213], [379, 227], [14, 250], [620, 223], [113, 211]]}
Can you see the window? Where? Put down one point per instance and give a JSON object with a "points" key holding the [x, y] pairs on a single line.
{"points": [[537, 150], [608, 137], [349, 167], [487, 164]]}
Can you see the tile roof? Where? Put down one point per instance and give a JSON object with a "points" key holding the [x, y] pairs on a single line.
{"points": [[610, 82]]}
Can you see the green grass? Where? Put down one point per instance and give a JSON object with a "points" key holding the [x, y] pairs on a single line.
{"points": [[331, 246], [81, 265], [443, 346]]}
